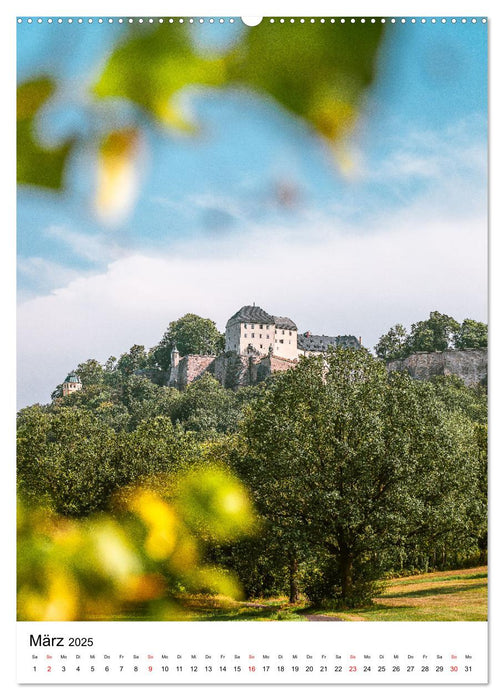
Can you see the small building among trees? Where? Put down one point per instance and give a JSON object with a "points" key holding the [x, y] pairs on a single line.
{"points": [[72, 383]]}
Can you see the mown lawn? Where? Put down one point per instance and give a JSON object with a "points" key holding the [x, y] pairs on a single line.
{"points": [[444, 596]]}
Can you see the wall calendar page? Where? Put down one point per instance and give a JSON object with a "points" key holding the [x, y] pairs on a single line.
{"points": [[252, 350]]}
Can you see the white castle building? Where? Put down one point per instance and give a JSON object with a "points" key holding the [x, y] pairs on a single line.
{"points": [[251, 330]]}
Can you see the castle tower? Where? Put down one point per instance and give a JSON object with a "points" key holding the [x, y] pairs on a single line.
{"points": [[174, 374], [72, 383], [175, 356]]}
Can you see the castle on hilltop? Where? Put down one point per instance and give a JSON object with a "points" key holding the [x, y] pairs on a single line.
{"points": [[256, 345]]}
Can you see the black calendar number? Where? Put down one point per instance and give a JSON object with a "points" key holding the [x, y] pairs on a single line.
{"points": [[396, 669], [410, 669], [467, 668], [381, 669], [366, 668], [309, 669], [439, 669], [80, 642], [194, 669], [425, 669], [338, 669], [165, 668]]}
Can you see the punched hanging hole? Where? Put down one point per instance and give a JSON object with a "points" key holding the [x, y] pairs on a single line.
{"points": [[251, 21]]}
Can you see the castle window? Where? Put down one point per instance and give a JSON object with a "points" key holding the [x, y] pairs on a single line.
{"points": [[290, 332], [245, 325], [267, 328], [252, 335], [261, 325], [281, 340], [260, 346], [283, 332], [252, 325], [267, 335], [244, 335], [260, 335]]}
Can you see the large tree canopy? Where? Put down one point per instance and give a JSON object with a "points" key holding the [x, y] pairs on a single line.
{"points": [[342, 456], [192, 335]]}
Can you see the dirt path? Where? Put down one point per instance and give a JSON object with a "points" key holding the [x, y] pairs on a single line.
{"points": [[323, 618]]}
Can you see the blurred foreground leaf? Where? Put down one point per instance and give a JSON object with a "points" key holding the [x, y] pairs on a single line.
{"points": [[36, 163], [150, 68], [117, 173], [140, 562], [317, 71]]}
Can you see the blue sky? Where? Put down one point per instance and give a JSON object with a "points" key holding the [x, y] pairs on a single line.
{"points": [[403, 234]]}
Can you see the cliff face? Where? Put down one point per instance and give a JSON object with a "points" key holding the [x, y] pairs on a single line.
{"points": [[470, 365]]}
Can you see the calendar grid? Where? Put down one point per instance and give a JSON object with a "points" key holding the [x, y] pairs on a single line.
{"points": [[174, 652]]}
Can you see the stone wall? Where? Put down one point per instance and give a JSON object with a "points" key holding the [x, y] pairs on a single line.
{"points": [[273, 363], [192, 367], [233, 370], [470, 365], [230, 369]]}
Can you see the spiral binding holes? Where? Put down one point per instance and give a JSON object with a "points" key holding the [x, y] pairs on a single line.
{"points": [[232, 20]]}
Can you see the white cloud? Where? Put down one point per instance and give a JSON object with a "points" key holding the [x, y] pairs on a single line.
{"points": [[459, 153], [41, 273], [91, 248], [327, 276]]}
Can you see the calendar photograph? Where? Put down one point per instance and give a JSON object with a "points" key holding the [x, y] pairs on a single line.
{"points": [[252, 332]]}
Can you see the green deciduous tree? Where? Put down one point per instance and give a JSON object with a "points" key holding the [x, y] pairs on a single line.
{"points": [[393, 344], [136, 358], [471, 334], [73, 458], [90, 372], [206, 407], [436, 333], [193, 335], [344, 458]]}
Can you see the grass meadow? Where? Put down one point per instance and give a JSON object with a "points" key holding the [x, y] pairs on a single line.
{"points": [[459, 595]]}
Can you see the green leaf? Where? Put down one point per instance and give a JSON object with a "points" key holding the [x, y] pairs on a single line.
{"points": [[37, 164], [317, 71], [152, 67]]}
